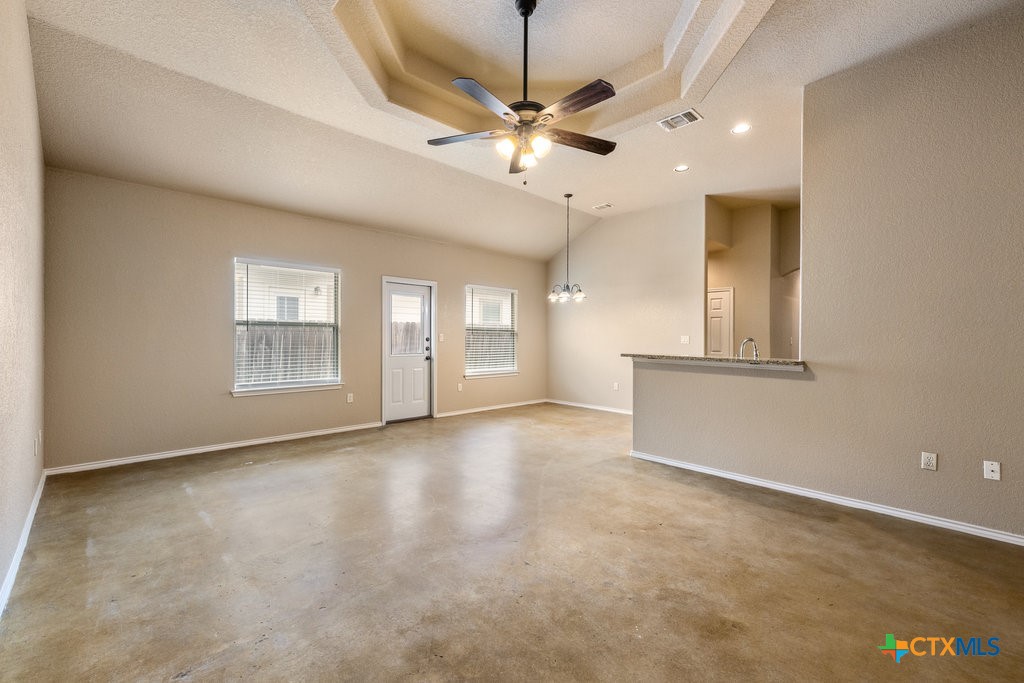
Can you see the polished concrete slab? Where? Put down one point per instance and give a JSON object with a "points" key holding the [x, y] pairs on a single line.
{"points": [[521, 544]]}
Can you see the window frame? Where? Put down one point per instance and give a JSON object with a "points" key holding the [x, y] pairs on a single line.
{"points": [[333, 383], [505, 371]]}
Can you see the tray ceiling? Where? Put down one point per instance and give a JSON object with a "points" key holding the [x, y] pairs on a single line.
{"points": [[324, 108]]}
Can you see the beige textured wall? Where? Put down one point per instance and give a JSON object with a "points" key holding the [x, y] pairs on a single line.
{"points": [[747, 267], [789, 240], [786, 315], [785, 291], [637, 270], [139, 319], [913, 304], [21, 280], [717, 225]]}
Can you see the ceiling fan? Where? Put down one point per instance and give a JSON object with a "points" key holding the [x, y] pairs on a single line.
{"points": [[527, 134]]}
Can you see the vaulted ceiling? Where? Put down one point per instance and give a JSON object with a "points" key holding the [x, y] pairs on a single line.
{"points": [[324, 107]]}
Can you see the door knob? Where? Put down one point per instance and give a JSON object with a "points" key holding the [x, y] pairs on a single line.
{"points": [[427, 358]]}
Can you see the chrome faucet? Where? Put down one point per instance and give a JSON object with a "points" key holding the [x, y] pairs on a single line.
{"points": [[744, 343]]}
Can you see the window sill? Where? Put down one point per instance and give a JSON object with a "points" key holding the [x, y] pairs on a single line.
{"points": [[286, 390], [489, 375]]}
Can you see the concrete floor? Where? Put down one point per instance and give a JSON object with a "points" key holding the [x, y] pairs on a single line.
{"points": [[521, 544]]}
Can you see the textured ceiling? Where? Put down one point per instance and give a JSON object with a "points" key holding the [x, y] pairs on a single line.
{"points": [[325, 110]]}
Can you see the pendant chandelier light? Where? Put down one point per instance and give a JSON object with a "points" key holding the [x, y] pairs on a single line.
{"points": [[564, 292]]}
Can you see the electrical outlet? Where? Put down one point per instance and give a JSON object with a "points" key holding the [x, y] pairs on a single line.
{"points": [[929, 461], [992, 470], [685, 339], [440, 337], [615, 386], [351, 398], [460, 386]]}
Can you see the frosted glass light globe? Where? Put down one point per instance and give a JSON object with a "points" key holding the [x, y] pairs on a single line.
{"points": [[541, 146], [506, 147]]}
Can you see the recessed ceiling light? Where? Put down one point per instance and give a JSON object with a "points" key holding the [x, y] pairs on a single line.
{"points": [[681, 168], [740, 128]]}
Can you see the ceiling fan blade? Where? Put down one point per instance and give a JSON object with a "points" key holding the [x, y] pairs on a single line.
{"points": [[579, 141], [484, 97], [587, 96], [517, 161], [468, 136]]}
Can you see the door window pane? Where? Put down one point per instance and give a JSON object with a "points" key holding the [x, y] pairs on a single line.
{"points": [[406, 324]]}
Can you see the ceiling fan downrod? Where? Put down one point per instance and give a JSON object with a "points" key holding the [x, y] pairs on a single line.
{"points": [[525, 9]]}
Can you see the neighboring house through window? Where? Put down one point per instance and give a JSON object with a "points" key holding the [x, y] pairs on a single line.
{"points": [[286, 325], [491, 331]]}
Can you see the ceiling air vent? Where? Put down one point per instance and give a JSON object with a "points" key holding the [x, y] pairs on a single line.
{"points": [[602, 207], [683, 118]]}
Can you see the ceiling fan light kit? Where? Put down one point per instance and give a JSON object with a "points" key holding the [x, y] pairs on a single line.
{"points": [[566, 292], [527, 135]]}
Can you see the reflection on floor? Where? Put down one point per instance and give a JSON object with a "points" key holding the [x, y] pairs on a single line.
{"points": [[520, 544]]}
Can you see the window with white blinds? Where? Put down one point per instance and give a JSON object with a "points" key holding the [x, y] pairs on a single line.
{"points": [[490, 331], [286, 326]]}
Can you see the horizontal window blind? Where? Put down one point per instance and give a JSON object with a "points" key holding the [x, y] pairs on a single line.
{"points": [[286, 325], [490, 330]]}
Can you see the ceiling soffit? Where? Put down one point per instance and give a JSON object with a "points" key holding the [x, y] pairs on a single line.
{"points": [[676, 63]]}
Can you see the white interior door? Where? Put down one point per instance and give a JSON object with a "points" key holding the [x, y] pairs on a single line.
{"points": [[719, 323], [407, 386]]}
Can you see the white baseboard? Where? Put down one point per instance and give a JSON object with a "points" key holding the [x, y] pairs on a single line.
{"points": [[100, 464], [12, 571], [453, 413], [910, 515], [607, 409]]}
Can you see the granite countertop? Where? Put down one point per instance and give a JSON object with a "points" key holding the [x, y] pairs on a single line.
{"points": [[740, 363]]}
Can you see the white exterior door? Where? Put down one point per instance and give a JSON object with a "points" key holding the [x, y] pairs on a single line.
{"points": [[407, 351], [719, 323]]}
